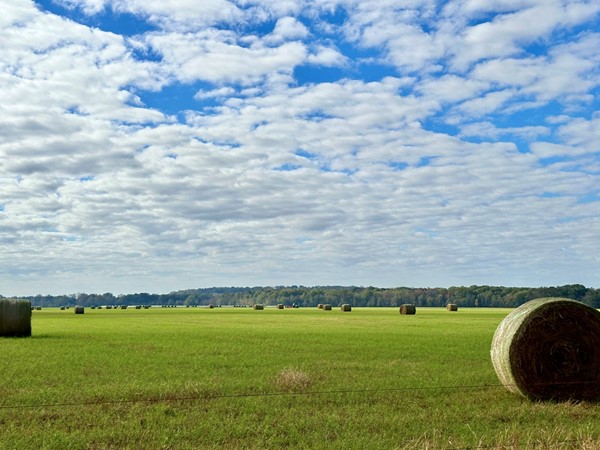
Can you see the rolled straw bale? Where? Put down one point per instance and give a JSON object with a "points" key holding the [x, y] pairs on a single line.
{"points": [[549, 349], [327, 307], [280, 306], [259, 307], [79, 310], [408, 309], [320, 306], [346, 307], [62, 308], [15, 318], [452, 307]]}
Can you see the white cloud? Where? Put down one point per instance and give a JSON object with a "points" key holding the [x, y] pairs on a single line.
{"points": [[357, 180], [215, 56], [287, 28]]}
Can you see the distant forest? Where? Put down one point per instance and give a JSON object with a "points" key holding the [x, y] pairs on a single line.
{"points": [[475, 296]]}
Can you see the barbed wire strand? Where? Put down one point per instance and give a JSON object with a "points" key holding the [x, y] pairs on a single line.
{"points": [[209, 396]]}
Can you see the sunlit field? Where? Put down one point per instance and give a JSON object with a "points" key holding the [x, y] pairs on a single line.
{"points": [[183, 378]]}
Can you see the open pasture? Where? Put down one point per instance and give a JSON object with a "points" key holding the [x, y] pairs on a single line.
{"points": [[183, 378]]}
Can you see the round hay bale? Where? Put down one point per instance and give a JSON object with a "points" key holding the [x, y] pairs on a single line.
{"points": [[280, 306], [259, 307], [549, 349], [407, 309], [346, 307], [79, 310], [320, 306], [62, 308], [327, 307], [15, 318], [452, 307]]}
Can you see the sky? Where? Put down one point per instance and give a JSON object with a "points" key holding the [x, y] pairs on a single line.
{"points": [[152, 146]]}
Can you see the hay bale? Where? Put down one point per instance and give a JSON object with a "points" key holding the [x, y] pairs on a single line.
{"points": [[327, 307], [79, 310], [346, 307], [15, 318], [407, 309], [259, 307], [452, 307], [280, 306], [549, 349], [62, 308]]}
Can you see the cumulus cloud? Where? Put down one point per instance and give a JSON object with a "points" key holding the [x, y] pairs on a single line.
{"points": [[417, 146]]}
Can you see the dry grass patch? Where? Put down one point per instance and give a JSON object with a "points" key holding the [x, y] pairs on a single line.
{"points": [[293, 380]]}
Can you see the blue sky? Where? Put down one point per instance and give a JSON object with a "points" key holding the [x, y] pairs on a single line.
{"points": [[150, 146]]}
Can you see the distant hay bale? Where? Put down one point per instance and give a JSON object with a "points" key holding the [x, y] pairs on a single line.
{"points": [[38, 308], [15, 318], [138, 306], [259, 307], [320, 306], [452, 307], [79, 310], [99, 307], [346, 307], [408, 309], [280, 306], [211, 306], [62, 308], [549, 349], [327, 307], [123, 306], [108, 307]]}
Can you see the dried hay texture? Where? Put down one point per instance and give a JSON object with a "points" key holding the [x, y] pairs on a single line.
{"points": [[293, 380], [79, 310], [549, 349], [280, 306], [259, 307], [452, 307], [320, 306], [15, 318], [346, 307], [327, 307], [408, 309]]}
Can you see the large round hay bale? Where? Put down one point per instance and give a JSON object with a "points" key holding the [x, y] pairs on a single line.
{"points": [[15, 318], [79, 310], [320, 306], [327, 307], [346, 307], [452, 307], [259, 307], [280, 306], [549, 349], [408, 309]]}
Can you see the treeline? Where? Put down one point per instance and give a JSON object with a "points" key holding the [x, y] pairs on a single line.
{"points": [[472, 296]]}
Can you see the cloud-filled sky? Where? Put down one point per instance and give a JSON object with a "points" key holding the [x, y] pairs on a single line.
{"points": [[150, 146]]}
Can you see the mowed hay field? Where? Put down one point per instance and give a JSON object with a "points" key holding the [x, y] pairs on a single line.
{"points": [[185, 378]]}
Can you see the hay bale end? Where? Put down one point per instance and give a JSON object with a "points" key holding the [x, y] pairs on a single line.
{"points": [[15, 318], [549, 349], [408, 309]]}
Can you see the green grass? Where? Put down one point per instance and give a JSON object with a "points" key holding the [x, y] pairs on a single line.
{"points": [[191, 378]]}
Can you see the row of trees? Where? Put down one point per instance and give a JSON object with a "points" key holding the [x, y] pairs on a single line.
{"points": [[475, 296]]}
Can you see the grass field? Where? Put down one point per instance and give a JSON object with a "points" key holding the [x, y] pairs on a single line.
{"points": [[190, 378]]}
